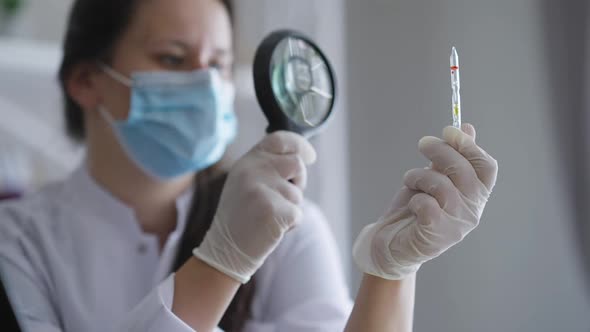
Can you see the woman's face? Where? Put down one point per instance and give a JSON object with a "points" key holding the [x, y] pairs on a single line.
{"points": [[171, 35]]}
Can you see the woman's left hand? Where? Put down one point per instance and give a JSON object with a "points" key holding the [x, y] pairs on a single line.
{"points": [[436, 209]]}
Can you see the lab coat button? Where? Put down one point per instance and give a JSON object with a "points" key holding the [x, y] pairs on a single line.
{"points": [[142, 248]]}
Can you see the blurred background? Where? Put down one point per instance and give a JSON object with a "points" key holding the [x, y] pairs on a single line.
{"points": [[523, 73]]}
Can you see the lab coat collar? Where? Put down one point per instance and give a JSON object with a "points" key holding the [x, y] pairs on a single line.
{"points": [[86, 195]]}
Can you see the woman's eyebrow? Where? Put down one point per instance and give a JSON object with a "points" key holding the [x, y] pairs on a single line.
{"points": [[173, 42], [218, 52]]}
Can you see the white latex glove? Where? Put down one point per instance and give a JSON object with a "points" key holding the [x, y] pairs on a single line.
{"points": [[436, 209], [258, 205]]}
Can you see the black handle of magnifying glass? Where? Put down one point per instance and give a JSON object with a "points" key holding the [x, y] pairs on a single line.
{"points": [[278, 120], [282, 123]]}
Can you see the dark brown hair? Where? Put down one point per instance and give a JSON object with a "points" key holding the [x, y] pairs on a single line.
{"points": [[93, 29]]}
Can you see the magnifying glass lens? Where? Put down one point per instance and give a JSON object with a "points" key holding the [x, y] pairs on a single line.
{"points": [[301, 82]]}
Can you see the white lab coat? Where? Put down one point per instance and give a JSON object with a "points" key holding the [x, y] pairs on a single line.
{"points": [[74, 259]]}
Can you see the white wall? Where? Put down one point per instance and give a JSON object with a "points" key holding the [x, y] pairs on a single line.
{"points": [[41, 20], [34, 125], [517, 271]]}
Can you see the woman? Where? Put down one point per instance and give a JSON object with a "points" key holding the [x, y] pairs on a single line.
{"points": [[148, 89]]}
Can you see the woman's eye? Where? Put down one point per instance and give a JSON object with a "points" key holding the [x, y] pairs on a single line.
{"points": [[171, 61], [223, 68]]}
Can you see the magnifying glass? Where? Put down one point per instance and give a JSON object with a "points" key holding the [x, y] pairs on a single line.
{"points": [[294, 83]]}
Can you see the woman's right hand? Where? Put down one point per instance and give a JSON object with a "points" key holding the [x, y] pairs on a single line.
{"points": [[259, 204]]}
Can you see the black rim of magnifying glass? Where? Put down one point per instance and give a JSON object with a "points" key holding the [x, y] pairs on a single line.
{"points": [[277, 119]]}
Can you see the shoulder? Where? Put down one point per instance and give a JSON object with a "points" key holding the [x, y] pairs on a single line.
{"points": [[27, 235], [25, 217], [27, 239]]}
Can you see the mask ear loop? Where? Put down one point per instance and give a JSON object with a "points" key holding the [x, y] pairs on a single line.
{"points": [[106, 115], [115, 74], [117, 77]]}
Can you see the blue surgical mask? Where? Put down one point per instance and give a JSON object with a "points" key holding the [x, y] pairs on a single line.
{"points": [[179, 122]]}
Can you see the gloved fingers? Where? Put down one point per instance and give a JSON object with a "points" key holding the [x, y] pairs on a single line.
{"points": [[484, 165], [403, 197], [448, 161], [426, 209], [292, 168], [280, 215], [400, 201], [289, 191], [434, 184], [434, 231], [469, 129], [283, 142], [287, 215]]}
